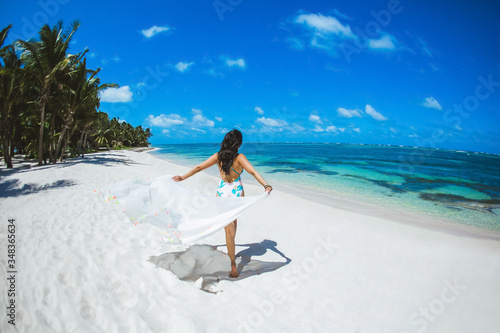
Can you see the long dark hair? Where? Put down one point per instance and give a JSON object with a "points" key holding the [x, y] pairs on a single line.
{"points": [[229, 149]]}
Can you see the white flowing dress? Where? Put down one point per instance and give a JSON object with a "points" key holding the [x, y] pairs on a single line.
{"points": [[183, 215]]}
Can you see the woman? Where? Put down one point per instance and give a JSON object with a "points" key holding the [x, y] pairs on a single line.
{"points": [[231, 164]]}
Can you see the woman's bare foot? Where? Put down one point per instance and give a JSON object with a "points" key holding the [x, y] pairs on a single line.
{"points": [[234, 271]]}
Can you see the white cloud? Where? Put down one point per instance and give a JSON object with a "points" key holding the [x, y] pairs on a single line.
{"points": [[218, 118], [116, 95], [329, 33], [431, 102], [315, 119], [183, 66], [357, 130], [200, 120], [295, 43], [373, 113], [259, 110], [332, 128], [271, 122], [164, 131], [383, 43], [434, 67], [164, 120], [295, 128], [238, 63], [329, 129], [320, 43], [425, 49], [214, 72], [203, 121], [320, 24], [345, 113], [198, 130], [154, 30], [318, 129], [323, 32], [339, 14]]}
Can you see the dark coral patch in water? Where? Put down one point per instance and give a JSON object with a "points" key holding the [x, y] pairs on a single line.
{"points": [[283, 170], [383, 183], [485, 206], [295, 167]]}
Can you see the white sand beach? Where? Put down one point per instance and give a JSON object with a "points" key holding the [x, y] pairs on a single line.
{"points": [[83, 266]]}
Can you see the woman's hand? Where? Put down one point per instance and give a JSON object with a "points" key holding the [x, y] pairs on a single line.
{"points": [[177, 178], [268, 188]]}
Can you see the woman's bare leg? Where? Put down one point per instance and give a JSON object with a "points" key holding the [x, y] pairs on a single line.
{"points": [[231, 250]]}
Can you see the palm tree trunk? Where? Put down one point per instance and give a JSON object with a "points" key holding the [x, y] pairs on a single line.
{"points": [[5, 133], [12, 147], [80, 143], [84, 145], [43, 101], [52, 156], [51, 153], [59, 143], [65, 146], [6, 152]]}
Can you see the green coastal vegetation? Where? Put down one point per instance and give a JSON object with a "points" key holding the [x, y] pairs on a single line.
{"points": [[49, 101]]}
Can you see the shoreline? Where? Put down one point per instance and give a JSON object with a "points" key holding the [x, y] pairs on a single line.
{"points": [[82, 263], [368, 207], [356, 144]]}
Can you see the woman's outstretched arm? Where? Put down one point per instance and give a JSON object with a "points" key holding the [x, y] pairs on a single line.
{"points": [[202, 166], [251, 170]]}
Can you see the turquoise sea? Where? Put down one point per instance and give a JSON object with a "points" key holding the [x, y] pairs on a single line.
{"points": [[460, 186]]}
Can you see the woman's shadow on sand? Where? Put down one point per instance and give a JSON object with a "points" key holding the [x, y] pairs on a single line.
{"points": [[207, 266]]}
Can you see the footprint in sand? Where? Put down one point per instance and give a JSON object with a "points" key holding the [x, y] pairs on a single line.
{"points": [[126, 295], [59, 253], [98, 206], [143, 242], [71, 277], [87, 310], [103, 297], [25, 320], [52, 322], [49, 297], [74, 241], [120, 239], [100, 235]]}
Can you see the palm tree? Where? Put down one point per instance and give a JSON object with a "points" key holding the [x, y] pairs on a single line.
{"points": [[45, 61], [83, 95], [48, 95], [4, 87], [11, 95], [147, 135]]}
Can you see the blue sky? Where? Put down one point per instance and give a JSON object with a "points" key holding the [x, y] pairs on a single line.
{"points": [[417, 73]]}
